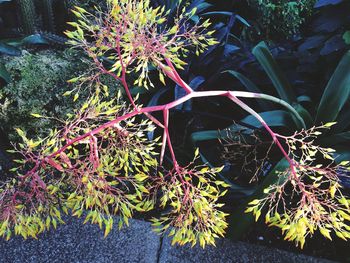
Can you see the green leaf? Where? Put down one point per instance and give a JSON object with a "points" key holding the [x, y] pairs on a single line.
{"points": [[204, 136], [7, 49], [280, 82], [20, 132], [346, 37], [276, 118], [36, 115], [329, 124], [343, 121], [161, 78], [35, 39], [4, 74], [325, 233], [250, 86], [334, 139], [67, 93], [254, 202], [344, 163], [257, 215], [305, 115], [336, 93]]}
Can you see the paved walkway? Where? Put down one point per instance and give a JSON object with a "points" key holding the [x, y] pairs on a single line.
{"points": [[78, 243]]}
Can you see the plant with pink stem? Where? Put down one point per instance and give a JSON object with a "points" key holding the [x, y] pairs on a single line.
{"points": [[102, 163]]}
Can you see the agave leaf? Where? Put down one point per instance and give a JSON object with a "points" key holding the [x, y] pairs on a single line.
{"points": [[250, 86], [35, 39], [204, 136], [224, 13], [280, 82], [276, 118], [10, 46], [9, 50], [322, 3], [343, 121], [332, 140], [336, 93], [304, 114]]}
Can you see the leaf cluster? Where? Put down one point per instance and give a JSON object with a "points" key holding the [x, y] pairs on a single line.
{"points": [[310, 196], [190, 196], [134, 36], [105, 174]]}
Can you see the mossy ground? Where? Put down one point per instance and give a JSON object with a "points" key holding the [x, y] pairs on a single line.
{"points": [[38, 81]]}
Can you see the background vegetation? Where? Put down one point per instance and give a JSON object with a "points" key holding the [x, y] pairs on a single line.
{"points": [[294, 50]]}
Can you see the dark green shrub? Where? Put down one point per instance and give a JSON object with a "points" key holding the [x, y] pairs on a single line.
{"points": [[282, 16]]}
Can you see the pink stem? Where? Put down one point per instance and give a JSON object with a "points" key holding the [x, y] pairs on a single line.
{"points": [[196, 94], [163, 147], [167, 136], [244, 106], [177, 77], [261, 120], [171, 72]]}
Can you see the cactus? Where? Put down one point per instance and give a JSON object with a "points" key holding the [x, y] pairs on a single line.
{"points": [[29, 9], [27, 14], [48, 15]]}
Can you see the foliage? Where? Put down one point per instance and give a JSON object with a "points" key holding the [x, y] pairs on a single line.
{"points": [[328, 27], [102, 163], [322, 41], [282, 16], [195, 214], [12, 47], [37, 82], [27, 11], [138, 48], [330, 108], [307, 153], [332, 104], [103, 174], [29, 17], [317, 197], [30, 23]]}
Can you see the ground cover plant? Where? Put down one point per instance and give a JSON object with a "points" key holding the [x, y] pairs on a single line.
{"points": [[36, 84], [101, 162]]}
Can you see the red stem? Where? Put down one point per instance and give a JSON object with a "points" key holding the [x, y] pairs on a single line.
{"points": [[171, 72], [167, 136], [195, 94]]}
